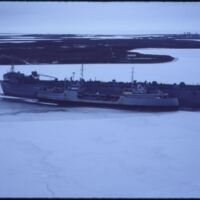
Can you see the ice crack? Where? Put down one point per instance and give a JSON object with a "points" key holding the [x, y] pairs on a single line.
{"points": [[50, 190]]}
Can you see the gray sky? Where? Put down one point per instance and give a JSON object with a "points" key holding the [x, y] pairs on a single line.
{"points": [[99, 18]]}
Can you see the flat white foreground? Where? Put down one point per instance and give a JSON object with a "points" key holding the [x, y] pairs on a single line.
{"points": [[88, 152]]}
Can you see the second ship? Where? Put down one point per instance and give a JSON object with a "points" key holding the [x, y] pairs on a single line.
{"points": [[78, 93]]}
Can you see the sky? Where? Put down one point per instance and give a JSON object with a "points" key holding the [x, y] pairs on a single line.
{"points": [[99, 18]]}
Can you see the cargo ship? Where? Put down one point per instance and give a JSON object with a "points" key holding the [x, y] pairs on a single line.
{"points": [[86, 93]]}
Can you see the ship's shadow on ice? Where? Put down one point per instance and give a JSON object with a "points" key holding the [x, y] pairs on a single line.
{"points": [[16, 106], [13, 106]]}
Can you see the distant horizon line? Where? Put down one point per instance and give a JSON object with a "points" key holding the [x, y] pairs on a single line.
{"points": [[187, 32]]}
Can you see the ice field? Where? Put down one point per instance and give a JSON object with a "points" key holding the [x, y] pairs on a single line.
{"points": [[53, 151]]}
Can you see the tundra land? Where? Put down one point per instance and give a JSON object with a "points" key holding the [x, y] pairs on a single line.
{"points": [[75, 49]]}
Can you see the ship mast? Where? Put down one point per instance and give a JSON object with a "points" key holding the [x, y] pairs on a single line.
{"points": [[12, 69], [82, 71], [65, 84], [132, 75], [73, 76]]}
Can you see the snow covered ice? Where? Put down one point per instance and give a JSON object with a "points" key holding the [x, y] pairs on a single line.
{"points": [[90, 152], [53, 151]]}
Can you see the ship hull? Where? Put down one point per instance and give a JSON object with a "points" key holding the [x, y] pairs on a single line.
{"points": [[19, 90], [105, 105], [71, 98]]}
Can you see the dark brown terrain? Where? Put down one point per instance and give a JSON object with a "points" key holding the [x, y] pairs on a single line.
{"points": [[65, 49]]}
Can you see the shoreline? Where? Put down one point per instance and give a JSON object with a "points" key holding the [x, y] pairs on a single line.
{"points": [[65, 49]]}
